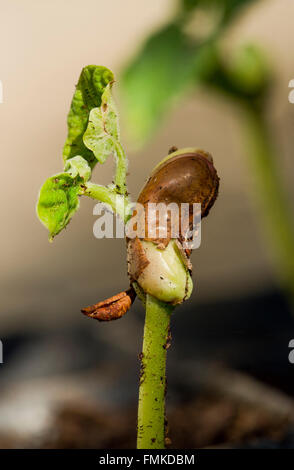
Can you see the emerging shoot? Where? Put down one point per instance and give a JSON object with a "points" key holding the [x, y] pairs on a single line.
{"points": [[159, 267]]}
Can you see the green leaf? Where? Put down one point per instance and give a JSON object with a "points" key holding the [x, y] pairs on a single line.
{"points": [[102, 133], [58, 201], [89, 90], [167, 65], [228, 8], [78, 166], [247, 71]]}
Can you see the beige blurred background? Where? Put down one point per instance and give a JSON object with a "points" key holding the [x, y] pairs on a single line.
{"points": [[43, 46]]}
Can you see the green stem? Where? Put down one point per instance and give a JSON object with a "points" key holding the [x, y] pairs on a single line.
{"points": [[269, 187], [121, 170], [118, 202], [151, 410]]}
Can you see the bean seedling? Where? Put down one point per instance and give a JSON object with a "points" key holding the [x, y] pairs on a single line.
{"points": [[159, 268]]}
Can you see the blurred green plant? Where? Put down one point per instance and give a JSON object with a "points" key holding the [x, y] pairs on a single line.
{"points": [[188, 52], [172, 62]]}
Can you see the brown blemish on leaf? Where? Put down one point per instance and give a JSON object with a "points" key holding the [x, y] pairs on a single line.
{"points": [[113, 308]]}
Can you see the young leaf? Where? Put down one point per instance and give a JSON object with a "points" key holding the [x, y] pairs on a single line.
{"points": [[102, 133], [228, 8], [247, 72], [58, 201], [89, 90], [78, 166], [159, 74], [169, 62]]}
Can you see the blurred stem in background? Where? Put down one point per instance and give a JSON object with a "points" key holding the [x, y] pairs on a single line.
{"points": [[188, 52], [270, 190]]}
